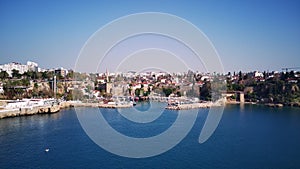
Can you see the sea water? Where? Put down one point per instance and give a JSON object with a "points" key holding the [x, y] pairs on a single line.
{"points": [[248, 137]]}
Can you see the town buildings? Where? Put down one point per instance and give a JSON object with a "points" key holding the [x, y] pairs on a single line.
{"points": [[9, 67]]}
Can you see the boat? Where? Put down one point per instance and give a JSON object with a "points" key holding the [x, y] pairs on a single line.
{"points": [[133, 103]]}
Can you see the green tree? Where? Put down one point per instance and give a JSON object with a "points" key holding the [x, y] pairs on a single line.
{"points": [[4, 75], [167, 91], [70, 74], [25, 82], [205, 91], [15, 73], [240, 75], [292, 74], [137, 92]]}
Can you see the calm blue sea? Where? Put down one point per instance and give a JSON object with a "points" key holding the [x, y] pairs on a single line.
{"points": [[249, 137]]}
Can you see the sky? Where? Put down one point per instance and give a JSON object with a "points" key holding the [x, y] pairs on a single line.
{"points": [[248, 35]]}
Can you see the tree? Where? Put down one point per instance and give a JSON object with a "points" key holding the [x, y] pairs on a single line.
{"points": [[44, 75], [15, 73], [70, 74], [4, 75], [137, 92], [205, 91], [292, 74], [25, 82], [167, 91], [240, 75], [265, 75]]}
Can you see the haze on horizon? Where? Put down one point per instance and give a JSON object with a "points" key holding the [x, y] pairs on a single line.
{"points": [[248, 35]]}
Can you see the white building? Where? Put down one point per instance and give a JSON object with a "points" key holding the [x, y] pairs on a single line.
{"points": [[258, 74], [30, 66], [61, 71]]}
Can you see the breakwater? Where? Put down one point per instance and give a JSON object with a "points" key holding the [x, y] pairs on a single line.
{"points": [[47, 109], [26, 111], [195, 105], [100, 105], [189, 106]]}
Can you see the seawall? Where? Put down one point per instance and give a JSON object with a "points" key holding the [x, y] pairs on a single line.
{"points": [[26, 111]]}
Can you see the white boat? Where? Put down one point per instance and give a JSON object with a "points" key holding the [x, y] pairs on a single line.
{"points": [[133, 103]]}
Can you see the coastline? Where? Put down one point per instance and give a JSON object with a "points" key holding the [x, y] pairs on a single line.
{"points": [[278, 105], [49, 109]]}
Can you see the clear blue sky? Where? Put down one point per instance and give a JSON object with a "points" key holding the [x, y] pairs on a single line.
{"points": [[249, 35]]}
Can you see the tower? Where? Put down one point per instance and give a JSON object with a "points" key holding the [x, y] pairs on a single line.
{"points": [[108, 83], [107, 76], [54, 86]]}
